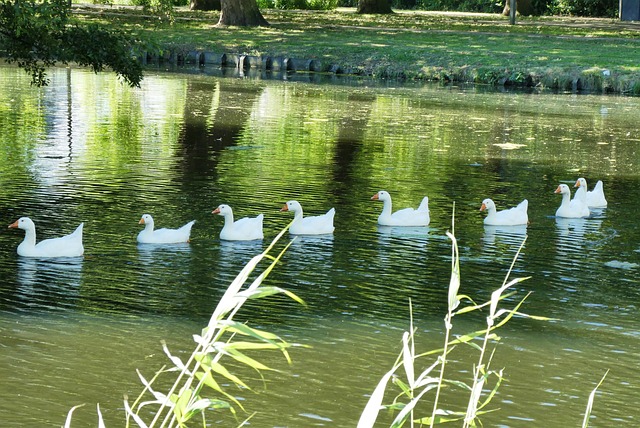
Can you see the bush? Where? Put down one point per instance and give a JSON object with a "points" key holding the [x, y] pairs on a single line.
{"points": [[298, 4], [587, 8], [590, 8]]}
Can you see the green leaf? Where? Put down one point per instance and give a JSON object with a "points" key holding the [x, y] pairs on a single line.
{"points": [[254, 345], [245, 330], [261, 292], [371, 410], [203, 404], [240, 357], [207, 379]]}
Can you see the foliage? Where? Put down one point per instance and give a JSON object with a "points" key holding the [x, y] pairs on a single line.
{"points": [[198, 383], [593, 8], [481, 6], [586, 8], [298, 4], [37, 35], [162, 8]]}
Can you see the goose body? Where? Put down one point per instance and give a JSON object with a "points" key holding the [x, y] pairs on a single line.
{"points": [[64, 246], [244, 229], [594, 198], [571, 208], [515, 216], [404, 217], [163, 236], [317, 225]]}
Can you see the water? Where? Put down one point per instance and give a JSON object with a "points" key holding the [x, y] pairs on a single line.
{"points": [[87, 149]]}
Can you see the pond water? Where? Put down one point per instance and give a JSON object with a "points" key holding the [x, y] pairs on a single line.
{"points": [[88, 149]]}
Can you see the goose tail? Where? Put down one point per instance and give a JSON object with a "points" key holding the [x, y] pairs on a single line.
{"points": [[424, 205]]}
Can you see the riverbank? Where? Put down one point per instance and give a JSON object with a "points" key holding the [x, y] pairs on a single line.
{"points": [[561, 53]]}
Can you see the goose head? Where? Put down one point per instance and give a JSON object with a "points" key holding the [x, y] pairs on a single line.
{"points": [[24, 223], [488, 205], [222, 210], [292, 206], [381, 196], [146, 220], [581, 182], [563, 189]]}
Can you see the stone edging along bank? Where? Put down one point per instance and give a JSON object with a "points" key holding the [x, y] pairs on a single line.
{"points": [[589, 81], [242, 62]]}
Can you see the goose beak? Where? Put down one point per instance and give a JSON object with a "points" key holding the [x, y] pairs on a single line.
{"points": [[557, 190], [375, 197], [216, 211], [483, 207], [141, 221], [577, 184], [13, 225], [284, 208]]}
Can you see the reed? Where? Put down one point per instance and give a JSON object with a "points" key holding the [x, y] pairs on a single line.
{"points": [[196, 387], [483, 385], [587, 413]]}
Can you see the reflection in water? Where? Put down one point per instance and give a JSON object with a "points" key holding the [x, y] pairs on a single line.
{"points": [[512, 235], [317, 247], [235, 254], [398, 244], [156, 256], [63, 269], [148, 252], [573, 234], [311, 253], [42, 281], [417, 233]]}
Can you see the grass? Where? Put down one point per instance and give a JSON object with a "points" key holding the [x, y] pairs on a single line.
{"points": [[560, 53]]}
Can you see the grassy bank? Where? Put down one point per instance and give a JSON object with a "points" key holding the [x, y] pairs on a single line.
{"points": [[597, 55]]}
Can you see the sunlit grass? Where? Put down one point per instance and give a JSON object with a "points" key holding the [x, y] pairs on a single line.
{"points": [[481, 48]]}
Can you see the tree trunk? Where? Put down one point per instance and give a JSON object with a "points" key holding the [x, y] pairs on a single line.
{"points": [[241, 13], [205, 5], [374, 6]]}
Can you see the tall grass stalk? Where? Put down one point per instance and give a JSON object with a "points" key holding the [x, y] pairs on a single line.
{"points": [[196, 388], [184, 400], [587, 413], [453, 302], [416, 388]]}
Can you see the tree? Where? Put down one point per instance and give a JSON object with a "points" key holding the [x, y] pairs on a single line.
{"points": [[39, 34], [374, 6], [242, 13]]}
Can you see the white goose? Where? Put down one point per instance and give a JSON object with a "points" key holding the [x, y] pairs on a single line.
{"points": [[163, 236], [515, 216], [595, 198], [65, 246], [318, 225], [404, 217], [571, 208], [244, 229]]}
